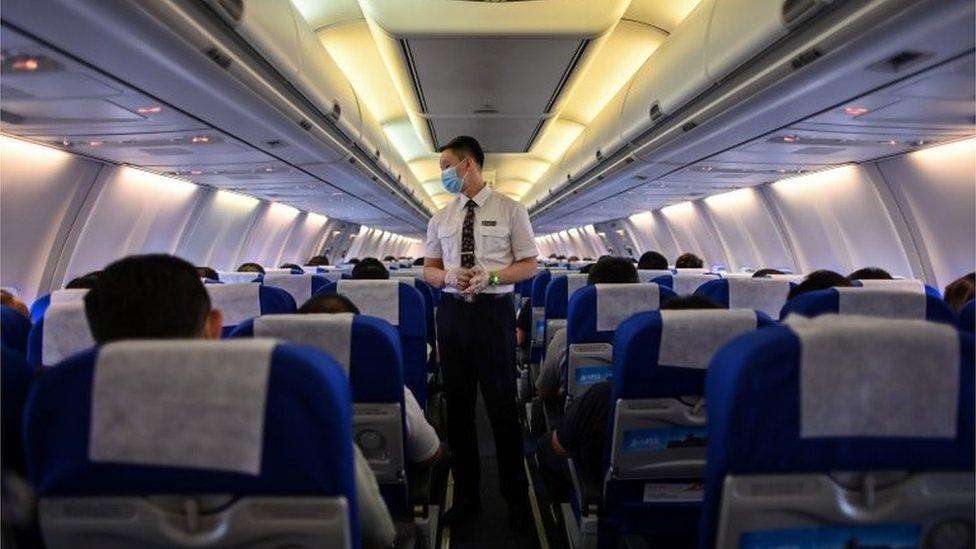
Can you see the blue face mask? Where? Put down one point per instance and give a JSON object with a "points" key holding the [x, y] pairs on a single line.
{"points": [[451, 180]]}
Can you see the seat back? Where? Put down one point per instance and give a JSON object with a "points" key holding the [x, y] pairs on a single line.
{"points": [[685, 283], [760, 294], [539, 285], [905, 284], [560, 288], [280, 271], [400, 304], [193, 443], [967, 317], [41, 304], [299, 286], [594, 314], [875, 301], [14, 329], [234, 277], [60, 333], [845, 428], [648, 275], [239, 302]]}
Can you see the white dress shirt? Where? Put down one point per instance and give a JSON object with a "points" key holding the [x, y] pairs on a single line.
{"points": [[502, 234]]}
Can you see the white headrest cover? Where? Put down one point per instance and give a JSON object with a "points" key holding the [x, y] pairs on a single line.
{"points": [[762, 294], [735, 275], [406, 273], [616, 302], [864, 377], [901, 284], [690, 338], [691, 270], [379, 298], [648, 275], [329, 332], [574, 282], [268, 271], [796, 278], [882, 302], [233, 277], [687, 283], [68, 296], [237, 302], [299, 286], [66, 332], [181, 403]]}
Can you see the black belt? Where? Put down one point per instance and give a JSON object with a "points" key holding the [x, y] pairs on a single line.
{"points": [[477, 297]]}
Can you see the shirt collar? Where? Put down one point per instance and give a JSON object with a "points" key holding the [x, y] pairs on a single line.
{"points": [[479, 198]]}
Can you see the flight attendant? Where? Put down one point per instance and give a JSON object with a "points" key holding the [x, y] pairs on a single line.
{"points": [[477, 248]]}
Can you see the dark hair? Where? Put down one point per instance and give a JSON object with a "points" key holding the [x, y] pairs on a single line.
{"points": [[419, 262], [389, 258], [208, 273], [147, 297], [328, 303], [612, 270], [573, 258], [766, 272], [250, 268], [553, 256], [370, 268], [688, 261], [317, 260], [960, 291], [585, 269], [289, 266], [353, 261], [652, 260], [587, 259], [84, 282], [820, 280], [464, 146], [870, 273], [690, 302], [602, 257], [561, 257]]}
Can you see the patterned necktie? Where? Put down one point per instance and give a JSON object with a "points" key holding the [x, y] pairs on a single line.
{"points": [[467, 236]]}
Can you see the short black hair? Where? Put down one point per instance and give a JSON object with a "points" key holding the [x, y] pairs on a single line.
{"points": [[820, 280], [328, 303], [353, 261], [652, 260], [573, 258], [464, 146], [389, 258], [552, 256], [418, 262], [870, 273], [289, 266], [689, 302], [688, 261], [585, 269], [612, 270], [154, 296], [208, 273], [250, 267], [317, 260], [766, 272], [370, 268], [84, 282]]}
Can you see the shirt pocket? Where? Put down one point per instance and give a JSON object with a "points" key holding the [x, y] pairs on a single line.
{"points": [[497, 240], [449, 239]]}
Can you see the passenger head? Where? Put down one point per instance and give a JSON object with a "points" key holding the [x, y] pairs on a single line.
{"points": [[612, 270], [766, 272], [250, 268], [389, 258], [690, 302], [820, 280], [83, 282], [870, 273], [208, 273], [652, 260], [289, 266], [328, 303], [370, 269], [552, 256], [688, 261], [353, 261], [150, 297], [602, 257], [419, 262], [561, 257], [587, 259], [318, 260], [10, 300], [573, 258], [585, 269], [960, 291]]}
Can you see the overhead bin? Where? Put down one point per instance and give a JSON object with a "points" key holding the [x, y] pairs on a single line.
{"points": [[740, 29], [603, 133]]}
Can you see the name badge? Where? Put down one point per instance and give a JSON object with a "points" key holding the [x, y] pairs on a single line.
{"points": [[488, 223]]}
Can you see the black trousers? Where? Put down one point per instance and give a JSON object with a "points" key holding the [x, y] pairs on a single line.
{"points": [[477, 346]]}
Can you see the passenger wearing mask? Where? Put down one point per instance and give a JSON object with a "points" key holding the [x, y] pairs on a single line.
{"points": [[250, 268], [370, 268], [870, 273], [652, 261], [820, 280], [960, 291], [162, 297], [688, 261]]}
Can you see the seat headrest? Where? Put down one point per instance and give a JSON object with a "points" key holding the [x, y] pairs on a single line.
{"points": [[65, 331], [875, 300], [761, 294], [234, 277], [329, 332], [379, 298], [690, 338], [68, 296], [237, 301], [648, 275], [300, 287]]}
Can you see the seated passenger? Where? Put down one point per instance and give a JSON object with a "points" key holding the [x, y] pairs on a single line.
{"points": [[370, 269], [688, 261], [250, 268], [289, 266], [419, 262], [561, 257], [587, 259], [83, 282], [10, 300], [583, 431], [553, 256], [870, 273], [572, 258], [523, 328], [161, 297], [652, 261], [422, 445], [612, 270], [353, 261], [819, 280], [208, 273], [761, 273], [318, 261], [960, 291]]}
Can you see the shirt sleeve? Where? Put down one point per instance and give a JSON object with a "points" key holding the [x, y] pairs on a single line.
{"points": [[432, 247], [375, 525], [422, 441], [585, 418], [523, 241]]}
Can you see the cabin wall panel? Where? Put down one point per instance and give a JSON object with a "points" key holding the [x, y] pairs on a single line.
{"points": [[269, 234], [217, 237], [747, 231], [692, 234], [303, 241]]}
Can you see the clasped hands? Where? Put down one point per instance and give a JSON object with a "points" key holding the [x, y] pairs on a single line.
{"points": [[469, 281]]}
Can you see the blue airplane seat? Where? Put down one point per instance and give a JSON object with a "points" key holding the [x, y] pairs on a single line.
{"points": [[14, 329], [967, 317], [761, 294], [143, 434], [60, 333], [427, 292], [15, 383], [876, 301], [685, 283], [239, 302], [539, 285], [41, 304], [560, 289], [299, 286]]}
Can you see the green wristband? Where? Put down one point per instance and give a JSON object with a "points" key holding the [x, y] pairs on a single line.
{"points": [[493, 278]]}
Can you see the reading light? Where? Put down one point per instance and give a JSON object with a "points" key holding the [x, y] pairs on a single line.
{"points": [[197, 139], [25, 64], [891, 142], [790, 139], [94, 143], [153, 109], [855, 111]]}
